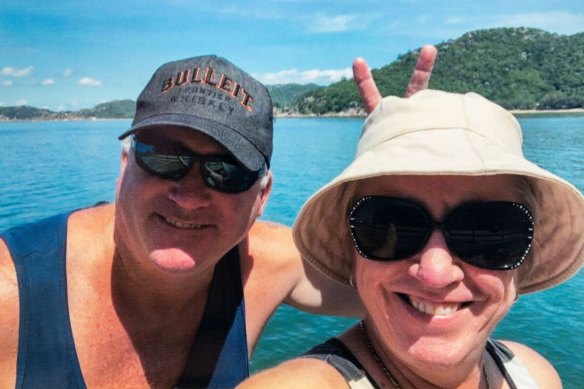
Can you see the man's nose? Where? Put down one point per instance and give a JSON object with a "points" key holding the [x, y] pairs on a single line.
{"points": [[191, 191]]}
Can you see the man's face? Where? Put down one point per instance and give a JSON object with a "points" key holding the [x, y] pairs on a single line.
{"points": [[184, 225]]}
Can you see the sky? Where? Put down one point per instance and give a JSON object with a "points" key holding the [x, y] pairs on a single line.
{"points": [[67, 55]]}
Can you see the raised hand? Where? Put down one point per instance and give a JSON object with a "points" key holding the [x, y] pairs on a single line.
{"points": [[420, 77]]}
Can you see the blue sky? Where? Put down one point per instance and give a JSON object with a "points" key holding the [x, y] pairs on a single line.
{"points": [[66, 55]]}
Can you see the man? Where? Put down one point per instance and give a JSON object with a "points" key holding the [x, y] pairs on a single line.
{"points": [[172, 285]]}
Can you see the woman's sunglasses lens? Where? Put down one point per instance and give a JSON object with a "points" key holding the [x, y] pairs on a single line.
{"points": [[389, 229], [494, 235]]}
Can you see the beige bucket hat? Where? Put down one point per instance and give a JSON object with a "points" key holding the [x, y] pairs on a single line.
{"points": [[440, 133]]}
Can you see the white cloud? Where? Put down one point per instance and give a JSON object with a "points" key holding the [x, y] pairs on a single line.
{"points": [[339, 23], [48, 81], [67, 72], [317, 76], [21, 102], [7, 83], [86, 81], [454, 20], [424, 18], [13, 72]]}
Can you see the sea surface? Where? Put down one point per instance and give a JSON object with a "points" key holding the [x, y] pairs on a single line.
{"points": [[51, 167]]}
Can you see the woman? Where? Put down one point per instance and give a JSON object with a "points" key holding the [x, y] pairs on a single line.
{"points": [[439, 223]]}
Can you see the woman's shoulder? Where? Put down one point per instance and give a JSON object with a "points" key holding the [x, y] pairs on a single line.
{"points": [[539, 367], [297, 373]]}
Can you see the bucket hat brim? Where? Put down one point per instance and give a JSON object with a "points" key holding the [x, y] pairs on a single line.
{"points": [[321, 231]]}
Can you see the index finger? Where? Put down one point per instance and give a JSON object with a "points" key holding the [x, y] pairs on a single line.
{"points": [[422, 71]]}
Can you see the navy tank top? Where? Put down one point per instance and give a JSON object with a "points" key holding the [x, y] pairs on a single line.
{"points": [[46, 350]]}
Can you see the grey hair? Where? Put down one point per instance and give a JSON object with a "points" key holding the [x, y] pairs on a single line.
{"points": [[265, 179], [127, 144]]}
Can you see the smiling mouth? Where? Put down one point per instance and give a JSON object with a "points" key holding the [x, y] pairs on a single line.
{"points": [[433, 309], [182, 225]]}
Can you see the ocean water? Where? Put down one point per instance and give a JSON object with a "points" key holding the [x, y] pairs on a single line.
{"points": [[50, 167]]}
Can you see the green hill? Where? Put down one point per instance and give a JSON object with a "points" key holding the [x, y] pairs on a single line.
{"points": [[117, 109], [25, 112], [285, 95], [519, 68]]}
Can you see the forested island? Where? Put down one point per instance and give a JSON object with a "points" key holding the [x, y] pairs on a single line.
{"points": [[519, 68]]}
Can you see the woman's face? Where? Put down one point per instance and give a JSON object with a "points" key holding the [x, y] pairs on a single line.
{"points": [[433, 307]]}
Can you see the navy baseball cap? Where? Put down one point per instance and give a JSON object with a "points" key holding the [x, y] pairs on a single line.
{"points": [[210, 95]]}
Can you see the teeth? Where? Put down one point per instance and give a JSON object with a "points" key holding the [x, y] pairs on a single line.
{"points": [[186, 226], [434, 309]]}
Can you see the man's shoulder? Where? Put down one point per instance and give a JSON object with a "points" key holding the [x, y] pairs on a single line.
{"points": [[86, 223], [268, 228], [269, 252], [92, 217], [272, 242]]}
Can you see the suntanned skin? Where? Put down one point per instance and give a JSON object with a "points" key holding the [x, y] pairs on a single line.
{"points": [[141, 339], [135, 315]]}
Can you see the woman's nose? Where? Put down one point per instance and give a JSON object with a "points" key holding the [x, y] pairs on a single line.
{"points": [[436, 265]]}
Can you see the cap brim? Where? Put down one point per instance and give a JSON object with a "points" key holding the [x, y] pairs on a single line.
{"points": [[239, 146]]}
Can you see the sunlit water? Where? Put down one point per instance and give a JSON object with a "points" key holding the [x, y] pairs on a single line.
{"points": [[50, 167]]}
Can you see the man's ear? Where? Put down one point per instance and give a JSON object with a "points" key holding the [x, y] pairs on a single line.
{"points": [[123, 163], [265, 190]]}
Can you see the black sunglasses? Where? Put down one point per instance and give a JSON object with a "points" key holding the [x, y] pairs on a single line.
{"points": [[221, 173], [492, 235]]}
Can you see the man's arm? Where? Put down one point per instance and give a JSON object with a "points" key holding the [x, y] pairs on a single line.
{"points": [[420, 78], [317, 293], [280, 275]]}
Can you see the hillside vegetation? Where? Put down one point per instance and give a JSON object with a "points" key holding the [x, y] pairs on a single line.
{"points": [[519, 68], [284, 96], [117, 109]]}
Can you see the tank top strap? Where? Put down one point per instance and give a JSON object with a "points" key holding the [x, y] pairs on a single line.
{"points": [[218, 358], [335, 353], [514, 371], [46, 351]]}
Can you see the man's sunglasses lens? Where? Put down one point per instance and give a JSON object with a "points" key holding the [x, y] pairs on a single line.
{"points": [[228, 176], [492, 235], [221, 173]]}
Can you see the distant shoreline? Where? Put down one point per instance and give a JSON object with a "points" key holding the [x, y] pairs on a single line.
{"points": [[351, 114], [361, 113], [526, 112]]}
